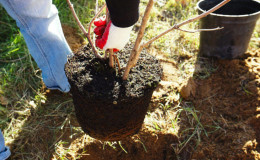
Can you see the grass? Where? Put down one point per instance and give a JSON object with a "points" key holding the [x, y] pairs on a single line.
{"points": [[42, 125], [26, 110]]}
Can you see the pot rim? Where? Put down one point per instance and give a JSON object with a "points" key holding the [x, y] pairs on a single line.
{"points": [[226, 15]]}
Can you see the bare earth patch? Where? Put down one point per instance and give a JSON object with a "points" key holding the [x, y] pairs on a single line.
{"points": [[230, 99]]}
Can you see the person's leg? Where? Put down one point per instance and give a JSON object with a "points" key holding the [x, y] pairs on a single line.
{"points": [[4, 151], [39, 23]]}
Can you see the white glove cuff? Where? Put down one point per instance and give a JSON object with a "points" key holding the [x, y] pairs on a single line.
{"points": [[117, 37]]}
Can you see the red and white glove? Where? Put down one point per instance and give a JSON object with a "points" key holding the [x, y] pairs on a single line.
{"points": [[110, 36]]}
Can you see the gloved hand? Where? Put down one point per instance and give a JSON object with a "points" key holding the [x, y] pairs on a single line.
{"points": [[110, 36]]}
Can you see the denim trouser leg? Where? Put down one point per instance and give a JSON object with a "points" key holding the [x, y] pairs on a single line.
{"points": [[39, 23], [4, 151]]}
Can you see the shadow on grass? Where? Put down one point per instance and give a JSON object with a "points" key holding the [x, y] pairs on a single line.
{"points": [[45, 127], [52, 132]]}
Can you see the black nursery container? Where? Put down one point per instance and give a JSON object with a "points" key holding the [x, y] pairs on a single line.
{"points": [[238, 17], [106, 107]]}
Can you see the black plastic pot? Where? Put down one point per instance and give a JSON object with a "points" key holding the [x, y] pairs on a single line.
{"points": [[110, 121], [108, 108], [238, 17]]}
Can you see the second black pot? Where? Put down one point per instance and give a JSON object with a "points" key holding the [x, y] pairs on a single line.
{"points": [[238, 17]]}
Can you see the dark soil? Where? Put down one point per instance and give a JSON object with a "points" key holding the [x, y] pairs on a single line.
{"points": [[94, 78], [107, 107]]}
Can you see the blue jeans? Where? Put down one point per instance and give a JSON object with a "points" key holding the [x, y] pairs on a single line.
{"points": [[40, 25], [4, 151]]}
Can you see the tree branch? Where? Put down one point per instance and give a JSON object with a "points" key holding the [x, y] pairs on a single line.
{"points": [[93, 19], [136, 51], [177, 26], [83, 29], [200, 30], [203, 14]]}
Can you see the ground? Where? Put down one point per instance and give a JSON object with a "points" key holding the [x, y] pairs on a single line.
{"points": [[227, 108], [203, 108]]}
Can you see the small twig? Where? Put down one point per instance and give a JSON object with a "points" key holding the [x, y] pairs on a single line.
{"points": [[76, 17], [5, 23], [96, 12], [83, 29], [117, 61], [136, 51], [111, 59], [13, 60], [200, 30], [177, 26], [203, 14], [96, 9], [93, 19], [89, 31], [107, 16]]}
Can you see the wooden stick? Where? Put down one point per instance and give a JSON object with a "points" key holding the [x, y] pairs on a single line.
{"points": [[136, 52], [83, 29], [177, 26]]}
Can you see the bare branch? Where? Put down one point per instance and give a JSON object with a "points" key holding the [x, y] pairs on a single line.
{"points": [[96, 8], [96, 11], [177, 26], [117, 61], [203, 14], [200, 30], [76, 17], [89, 30], [83, 29], [93, 19], [155, 38], [136, 51]]}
